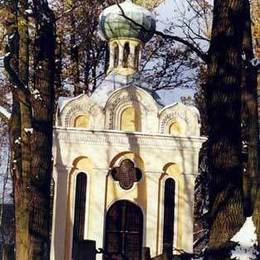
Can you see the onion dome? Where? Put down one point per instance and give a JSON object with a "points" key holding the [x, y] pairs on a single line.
{"points": [[127, 21]]}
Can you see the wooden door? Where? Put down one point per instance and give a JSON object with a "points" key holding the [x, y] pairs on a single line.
{"points": [[124, 231]]}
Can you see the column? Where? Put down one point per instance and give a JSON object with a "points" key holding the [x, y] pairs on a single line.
{"points": [[132, 56], [97, 208], [151, 231], [121, 54], [187, 213], [111, 56], [59, 213]]}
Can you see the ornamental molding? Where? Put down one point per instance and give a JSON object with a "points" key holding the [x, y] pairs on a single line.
{"points": [[129, 96], [134, 95], [123, 98], [81, 105], [168, 118], [182, 113], [114, 111], [106, 138]]}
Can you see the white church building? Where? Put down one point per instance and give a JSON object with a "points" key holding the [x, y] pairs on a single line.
{"points": [[124, 164]]}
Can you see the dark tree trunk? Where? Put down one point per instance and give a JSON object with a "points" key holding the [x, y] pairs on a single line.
{"points": [[250, 129], [256, 213], [41, 139], [256, 33], [31, 134], [22, 191], [20, 119], [223, 97]]}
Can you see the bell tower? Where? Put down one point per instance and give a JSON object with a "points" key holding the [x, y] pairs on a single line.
{"points": [[126, 27], [124, 56]]}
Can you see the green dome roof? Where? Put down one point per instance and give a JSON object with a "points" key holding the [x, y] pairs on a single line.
{"points": [[113, 25]]}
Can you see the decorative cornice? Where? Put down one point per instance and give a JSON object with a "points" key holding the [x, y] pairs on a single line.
{"points": [[118, 138], [169, 117]]}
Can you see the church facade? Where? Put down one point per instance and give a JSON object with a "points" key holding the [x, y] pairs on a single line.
{"points": [[124, 164]]}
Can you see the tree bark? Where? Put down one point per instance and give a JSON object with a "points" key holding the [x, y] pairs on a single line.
{"points": [[31, 134], [256, 213], [41, 142], [249, 113], [223, 97], [255, 18], [18, 30], [22, 190]]}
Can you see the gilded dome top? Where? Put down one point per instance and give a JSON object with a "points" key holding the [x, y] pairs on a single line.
{"points": [[127, 21]]}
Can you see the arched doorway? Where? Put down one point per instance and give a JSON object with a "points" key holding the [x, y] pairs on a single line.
{"points": [[124, 231]]}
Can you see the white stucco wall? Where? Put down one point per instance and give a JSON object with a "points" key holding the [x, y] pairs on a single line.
{"points": [[103, 146]]}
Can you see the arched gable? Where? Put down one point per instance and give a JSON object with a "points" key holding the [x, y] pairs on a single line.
{"points": [[82, 112], [141, 101], [180, 120]]}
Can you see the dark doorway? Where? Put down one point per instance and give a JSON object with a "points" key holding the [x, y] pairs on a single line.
{"points": [[124, 231]]}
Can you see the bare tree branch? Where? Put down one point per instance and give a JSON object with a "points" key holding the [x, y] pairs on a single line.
{"points": [[14, 78], [193, 48]]}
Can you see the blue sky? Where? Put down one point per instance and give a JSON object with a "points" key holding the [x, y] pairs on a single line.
{"points": [[168, 11]]}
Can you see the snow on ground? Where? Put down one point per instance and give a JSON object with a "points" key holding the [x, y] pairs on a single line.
{"points": [[246, 237]]}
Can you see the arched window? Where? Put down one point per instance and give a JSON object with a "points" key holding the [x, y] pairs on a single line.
{"points": [[81, 121], [137, 52], [175, 128], [126, 54], [168, 222], [129, 120], [79, 211], [116, 55]]}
